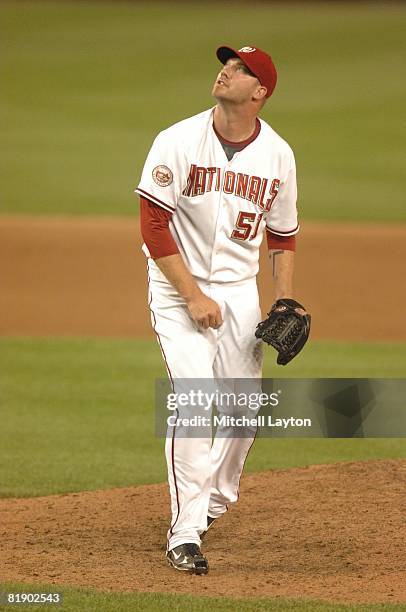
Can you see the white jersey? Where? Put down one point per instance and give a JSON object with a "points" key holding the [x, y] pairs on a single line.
{"points": [[221, 208]]}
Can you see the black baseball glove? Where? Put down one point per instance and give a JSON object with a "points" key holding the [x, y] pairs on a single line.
{"points": [[285, 329]]}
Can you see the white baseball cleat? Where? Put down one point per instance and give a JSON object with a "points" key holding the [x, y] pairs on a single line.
{"points": [[188, 558]]}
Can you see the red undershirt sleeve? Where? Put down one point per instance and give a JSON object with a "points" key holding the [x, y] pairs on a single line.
{"points": [[155, 230], [159, 240], [286, 243]]}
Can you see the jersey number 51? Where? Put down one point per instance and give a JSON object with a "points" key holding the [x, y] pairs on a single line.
{"points": [[247, 224]]}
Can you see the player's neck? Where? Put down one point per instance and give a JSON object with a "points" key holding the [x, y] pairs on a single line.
{"points": [[234, 124]]}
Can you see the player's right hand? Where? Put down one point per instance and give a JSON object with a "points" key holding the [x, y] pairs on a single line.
{"points": [[205, 311]]}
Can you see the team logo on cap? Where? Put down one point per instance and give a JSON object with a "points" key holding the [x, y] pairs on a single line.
{"points": [[162, 176], [247, 49]]}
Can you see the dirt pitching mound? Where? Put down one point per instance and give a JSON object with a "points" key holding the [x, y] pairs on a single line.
{"points": [[331, 532]]}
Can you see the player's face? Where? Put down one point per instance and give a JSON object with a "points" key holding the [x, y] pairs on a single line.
{"points": [[235, 82]]}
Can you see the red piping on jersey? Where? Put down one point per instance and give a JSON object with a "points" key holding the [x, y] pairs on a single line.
{"points": [[154, 199], [156, 333], [243, 465], [243, 143], [282, 233], [173, 389], [174, 478]]}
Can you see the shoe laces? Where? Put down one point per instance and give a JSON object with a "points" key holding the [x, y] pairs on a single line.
{"points": [[193, 550]]}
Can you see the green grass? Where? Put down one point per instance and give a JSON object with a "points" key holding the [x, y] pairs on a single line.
{"points": [[86, 86], [93, 601], [78, 414], [342, 360]]}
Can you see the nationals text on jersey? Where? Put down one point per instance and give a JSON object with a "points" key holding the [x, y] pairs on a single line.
{"points": [[251, 188]]}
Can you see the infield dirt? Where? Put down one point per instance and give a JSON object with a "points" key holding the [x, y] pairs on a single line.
{"points": [[87, 277], [332, 532]]}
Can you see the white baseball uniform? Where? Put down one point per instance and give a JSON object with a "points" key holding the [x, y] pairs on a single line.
{"points": [[220, 210]]}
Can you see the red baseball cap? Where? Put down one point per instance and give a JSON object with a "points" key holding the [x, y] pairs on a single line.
{"points": [[259, 62]]}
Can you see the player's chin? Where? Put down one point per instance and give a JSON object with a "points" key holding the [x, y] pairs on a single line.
{"points": [[219, 92]]}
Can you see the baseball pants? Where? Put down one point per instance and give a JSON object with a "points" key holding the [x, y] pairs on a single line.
{"points": [[204, 474]]}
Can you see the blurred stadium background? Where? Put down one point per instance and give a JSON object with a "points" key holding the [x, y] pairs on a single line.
{"points": [[86, 85]]}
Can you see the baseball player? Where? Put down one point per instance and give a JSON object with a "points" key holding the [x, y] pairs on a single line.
{"points": [[211, 186]]}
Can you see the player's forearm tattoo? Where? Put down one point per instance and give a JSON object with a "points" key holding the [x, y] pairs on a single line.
{"points": [[274, 254]]}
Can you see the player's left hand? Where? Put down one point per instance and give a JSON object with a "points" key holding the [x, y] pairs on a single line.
{"points": [[287, 329]]}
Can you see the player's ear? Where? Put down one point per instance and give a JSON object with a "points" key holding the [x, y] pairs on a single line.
{"points": [[260, 94]]}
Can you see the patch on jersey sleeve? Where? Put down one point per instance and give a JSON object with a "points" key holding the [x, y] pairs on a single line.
{"points": [[162, 176]]}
